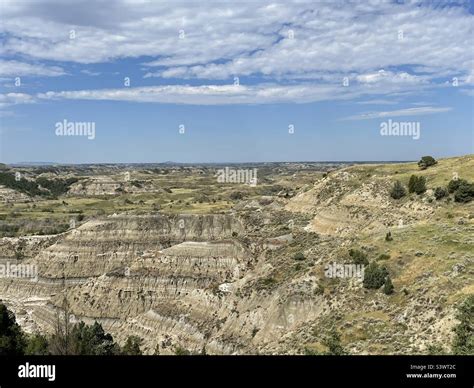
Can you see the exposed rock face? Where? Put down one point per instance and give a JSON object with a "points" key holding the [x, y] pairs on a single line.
{"points": [[108, 186], [11, 196], [122, 267], [343, 203]]}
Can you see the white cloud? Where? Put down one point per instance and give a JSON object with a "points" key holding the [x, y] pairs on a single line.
{"points": [[425, 110], [204, 94], [378, 102], [19, 69], [223, 39], [9, 99], [262, 93], [301, 50], [91, 73]]}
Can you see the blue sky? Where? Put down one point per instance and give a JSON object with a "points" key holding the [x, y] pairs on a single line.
{"points": [[236, 76]]}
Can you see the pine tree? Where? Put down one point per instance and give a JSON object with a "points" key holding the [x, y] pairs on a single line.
{"points": [[398, 191], [412, 184], [420, 185]]}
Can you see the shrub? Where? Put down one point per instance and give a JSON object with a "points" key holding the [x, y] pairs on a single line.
{"points": [[236, 195], [411, 184], [420, 187], [132, 346], [454, 184], [426, 161], [464, 331], [180, 351], [388, 236], [374, 276], [37, 345], [333, 343], [417, 184], [299, 256], [397, 191], [440, 193], [310, 352], [464, 193], [388, 286], [358, 257], [435, 349]]}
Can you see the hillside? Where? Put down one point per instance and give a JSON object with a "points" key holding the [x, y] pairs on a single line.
{"points": [[251, 276]]}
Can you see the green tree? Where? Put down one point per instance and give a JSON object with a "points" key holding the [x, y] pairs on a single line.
{"points": [[12, 338], [397, 191], [92, 340]]}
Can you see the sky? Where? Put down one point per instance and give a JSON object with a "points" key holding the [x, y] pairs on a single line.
{"points": [[240, 81]]}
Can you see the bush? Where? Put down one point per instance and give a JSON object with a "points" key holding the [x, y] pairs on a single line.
{"points": [[420, 186], [236, 195], [464, 193], [299, 256], [374, 276], [388, 286], [440, 193], [37, 345], [417, 184], [397, 191], [411, 184], [180, 351], [333, 343], [426, 161], [132, 346], [464, 332], [388, 236], [454, 184], [358, 257]]}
